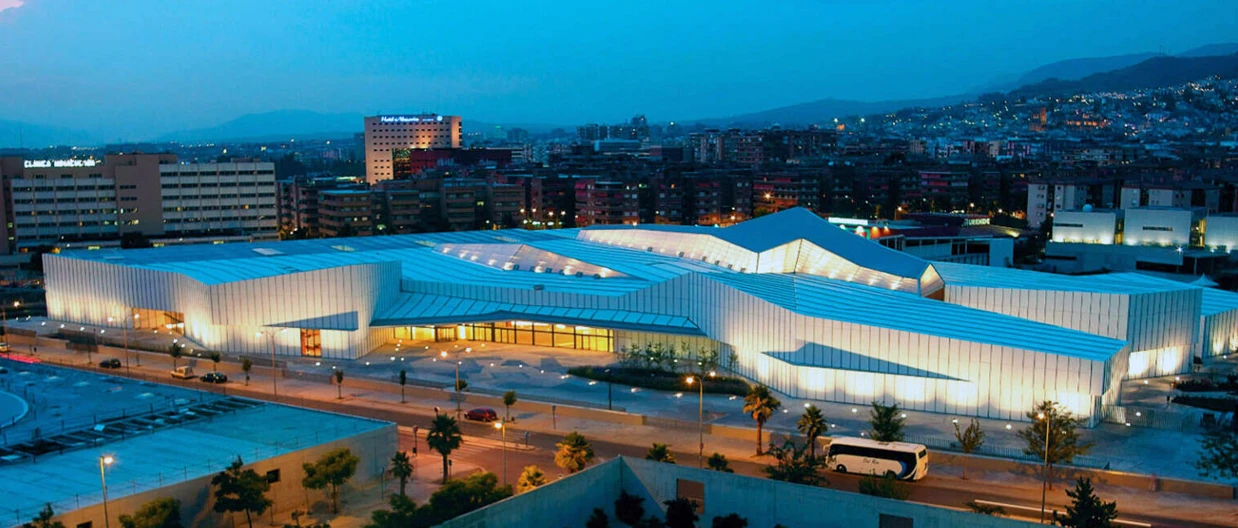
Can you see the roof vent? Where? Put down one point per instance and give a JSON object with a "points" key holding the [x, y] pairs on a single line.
{"points": [[680, 254], [515, 267], [580, 274], [649, 249], [539, 287], [597, 276]]}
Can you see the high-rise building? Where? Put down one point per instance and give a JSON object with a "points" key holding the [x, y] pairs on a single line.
{"points": [[387, 132], [96, 202]]}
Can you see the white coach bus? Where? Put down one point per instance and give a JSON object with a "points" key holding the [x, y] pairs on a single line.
{"points": [[868, 457]]}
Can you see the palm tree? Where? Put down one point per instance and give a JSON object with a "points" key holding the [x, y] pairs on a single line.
{"points": [[760, 404], [401, 468], [444, 437], [531, 478], [339, 383], [215, 358], [574, 453], [812, 424], [660, 453]]}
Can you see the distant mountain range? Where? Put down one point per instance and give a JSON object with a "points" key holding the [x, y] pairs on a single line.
{"points": [[1122, 72], [1151, 73]]}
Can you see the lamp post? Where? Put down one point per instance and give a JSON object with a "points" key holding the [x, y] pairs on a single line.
{"points": [[104, 462], [1044, 481], [609, 392], [274, 377], [502, 427], [700, 416], [443, 354], [4, 312]]}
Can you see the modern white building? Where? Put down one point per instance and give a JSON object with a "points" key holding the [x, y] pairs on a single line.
{"points": [[808, 308]]}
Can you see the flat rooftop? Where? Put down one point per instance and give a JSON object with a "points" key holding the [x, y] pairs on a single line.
{"points": [[186, 440]]}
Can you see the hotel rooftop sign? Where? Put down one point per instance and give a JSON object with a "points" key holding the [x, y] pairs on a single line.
{"points": [[46, 164]]}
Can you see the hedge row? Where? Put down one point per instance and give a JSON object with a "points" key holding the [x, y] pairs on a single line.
{"points": [[658, 379]]}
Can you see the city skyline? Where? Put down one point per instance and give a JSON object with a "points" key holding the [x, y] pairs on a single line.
{"points": [[540, 66]]}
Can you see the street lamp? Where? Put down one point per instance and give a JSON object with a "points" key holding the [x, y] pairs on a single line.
{"points": [[443, 354], [4, 312], [105, 461], [1044, 481], [502, 427], [274, 378], [610, 391], [700, 417]]}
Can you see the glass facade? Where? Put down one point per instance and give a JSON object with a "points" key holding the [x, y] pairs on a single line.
{"points": [[523, 333]]}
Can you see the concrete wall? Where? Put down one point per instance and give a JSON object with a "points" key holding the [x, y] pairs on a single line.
{"points": [[374, 447], [1157, 227], [569, 502], [1222, 232]]}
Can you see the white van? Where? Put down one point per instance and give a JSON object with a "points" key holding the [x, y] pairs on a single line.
{"points": [[183, 373]]}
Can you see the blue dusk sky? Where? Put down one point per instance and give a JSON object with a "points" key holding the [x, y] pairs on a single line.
{"points": [[139, 68]]}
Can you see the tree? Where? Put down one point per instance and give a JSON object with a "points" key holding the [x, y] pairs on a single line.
{"points": [[1218, 455], [681, 513], [812, 424], [1050, 419], [461, 384], [403, 382], [238, 490], [887, 423], [331, 471], [730, 521], [339, 383], [530, 479], [574, 453], [598, 519], [44, 519], [444, 437], [402, 469], [792, 464], [246, 366], [1086, 510], [174, 350], [461, 496], [970, 440], [404, 513], [718, 462], [660, 453], [215, 358], [629, 509], [887, 486], [760, 404], [509, 399], [159, 513]]}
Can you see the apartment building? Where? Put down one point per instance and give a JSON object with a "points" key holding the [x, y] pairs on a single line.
{"points": [[97, 202]]}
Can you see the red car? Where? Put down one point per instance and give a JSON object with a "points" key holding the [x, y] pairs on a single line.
{"points": [[481, 414]]}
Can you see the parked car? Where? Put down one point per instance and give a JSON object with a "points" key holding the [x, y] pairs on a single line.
{"points": [[110, 363], [183, 373], [4, 347], [481, 414], [215, 377]]}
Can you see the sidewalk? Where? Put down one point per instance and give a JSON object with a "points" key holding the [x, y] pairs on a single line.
{"points": [[386, 398]]}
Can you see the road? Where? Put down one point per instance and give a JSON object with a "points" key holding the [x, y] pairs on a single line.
{"points": [[486, 453]]}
